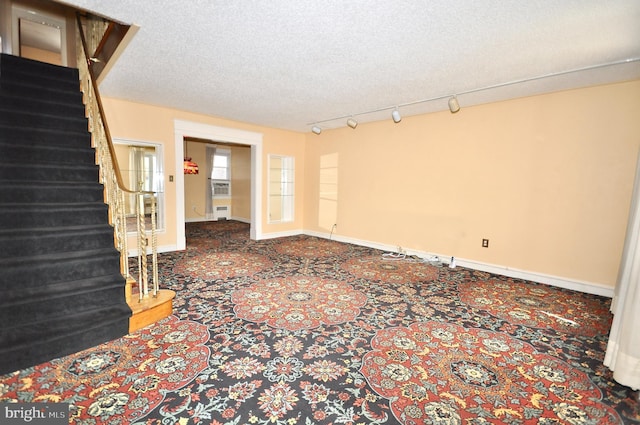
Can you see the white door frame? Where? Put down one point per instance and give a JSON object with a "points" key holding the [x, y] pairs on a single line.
{"points": [[218, 134]]}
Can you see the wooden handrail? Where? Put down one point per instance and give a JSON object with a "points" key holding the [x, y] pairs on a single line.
{"points": [[111, 177], [93, 78]]}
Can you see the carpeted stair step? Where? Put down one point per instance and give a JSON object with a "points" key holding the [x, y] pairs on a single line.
{"points": [[31, 137], [50, 122], [86, 285], [49, 192], [37, 106], [15, 243], [45, 303], [44, 215], [37, 270], [61, 286], [49, 172], [28, 154], [38, 93], [20, 69], [29, 345]]}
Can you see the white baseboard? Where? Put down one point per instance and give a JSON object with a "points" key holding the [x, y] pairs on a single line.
{"points": [[286, 233], [202, 219], [557, 281], [243, 220], [197, 220]]}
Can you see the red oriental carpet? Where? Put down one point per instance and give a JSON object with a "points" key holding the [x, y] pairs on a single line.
{"points": [[301, 331]]}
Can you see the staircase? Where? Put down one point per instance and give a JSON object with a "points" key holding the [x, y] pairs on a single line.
{"points": [[61, 290]]}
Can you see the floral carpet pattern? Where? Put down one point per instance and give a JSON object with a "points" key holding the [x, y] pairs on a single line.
{"points": [[537, 306], [432, 372], [298, 303], [302, 330], [121, 381]]}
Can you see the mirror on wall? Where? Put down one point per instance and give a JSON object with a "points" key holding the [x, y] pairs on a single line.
{"points": [[39, 35], [141, 168], [281, 185]]}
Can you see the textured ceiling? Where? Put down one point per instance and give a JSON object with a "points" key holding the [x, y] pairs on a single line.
{"points": [[287, 64]]}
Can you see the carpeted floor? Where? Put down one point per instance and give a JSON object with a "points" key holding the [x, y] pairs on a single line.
{"points": [[303, 330]]}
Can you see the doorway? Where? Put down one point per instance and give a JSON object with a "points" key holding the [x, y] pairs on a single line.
{"points": [[188, 129]]}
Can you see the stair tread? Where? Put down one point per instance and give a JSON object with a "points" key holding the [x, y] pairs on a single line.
{"points": [[44, 115], [58, 257], [50, 184], [32, 66], [11, 144], [82, 229], [63, 326], [57, 205], [6, 128], [49, 85], [53, 166], [63, 289], [13, 97]]}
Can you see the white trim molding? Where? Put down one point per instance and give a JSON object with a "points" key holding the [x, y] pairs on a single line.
{"points": [[560, 282]]}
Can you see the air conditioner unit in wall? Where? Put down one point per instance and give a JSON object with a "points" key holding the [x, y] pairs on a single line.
{"points": [[221, 212]]}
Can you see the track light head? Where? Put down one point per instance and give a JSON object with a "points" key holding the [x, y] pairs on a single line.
{"points": [[454, 106], [396, 116], [352, 123], [316, 129]]}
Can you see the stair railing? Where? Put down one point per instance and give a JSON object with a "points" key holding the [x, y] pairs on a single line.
{"points": [[88, 50]]}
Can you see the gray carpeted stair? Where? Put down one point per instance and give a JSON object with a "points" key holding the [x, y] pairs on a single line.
{"points": [[60, 280]]}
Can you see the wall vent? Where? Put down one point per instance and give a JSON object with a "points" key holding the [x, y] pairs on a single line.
{"points": [[221, 212]]}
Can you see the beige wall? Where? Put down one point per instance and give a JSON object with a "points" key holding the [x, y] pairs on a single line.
{"points": [[148, 123], [41, 55], [547, 179]]}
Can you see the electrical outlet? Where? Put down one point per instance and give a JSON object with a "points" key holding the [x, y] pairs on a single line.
{"points": [[485, 243]]}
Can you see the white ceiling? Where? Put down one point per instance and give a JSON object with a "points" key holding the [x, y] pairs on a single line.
{"points": [[288, 64]]}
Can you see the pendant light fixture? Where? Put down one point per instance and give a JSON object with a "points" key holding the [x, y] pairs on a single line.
{"points": [[190, 167]]}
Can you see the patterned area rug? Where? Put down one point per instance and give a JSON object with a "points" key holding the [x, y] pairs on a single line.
{"points": [[435, 373], [538, 306], [121, 381], [302, 330], [298, 303]]}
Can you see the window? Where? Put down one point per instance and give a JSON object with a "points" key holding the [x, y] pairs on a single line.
{"points": [[281, 185], [221, 173]]}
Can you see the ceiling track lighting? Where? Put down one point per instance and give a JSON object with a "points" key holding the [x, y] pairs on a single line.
{"points": [[395, 115], [454, 106]]}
